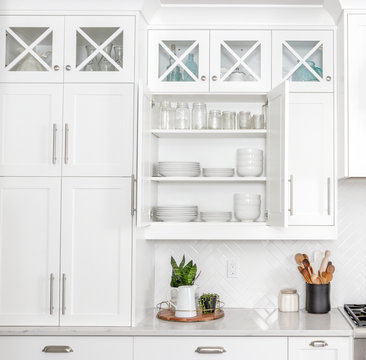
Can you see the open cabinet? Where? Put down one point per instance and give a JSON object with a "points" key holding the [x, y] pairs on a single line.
{"points": [[279, 217]]}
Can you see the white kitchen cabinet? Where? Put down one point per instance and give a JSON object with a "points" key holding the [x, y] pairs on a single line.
{"points": [[305, 58], [96, 251], [31, 129], [99, 48], [29, 255], [330, 348], [32, 48], [179, 60], [98, 129], [225, 348], [59, 347], [240, 61], [311, 159]]}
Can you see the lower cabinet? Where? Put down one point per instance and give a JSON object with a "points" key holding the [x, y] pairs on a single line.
{"points": [[66, 347], [223, 348], [329, 348]]}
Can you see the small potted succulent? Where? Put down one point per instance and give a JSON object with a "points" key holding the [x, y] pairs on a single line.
{"points": [[207, 303]]}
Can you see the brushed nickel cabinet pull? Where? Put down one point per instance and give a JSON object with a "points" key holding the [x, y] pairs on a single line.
{"points": [[329, 196], [63, 294], [54, 139], [318, 343], [291, 209], [52, 278], [203, 78], [57, 349], [133, 195], [68, 67], [56, 67], [210, 350], [214, 78], [66, 160]]}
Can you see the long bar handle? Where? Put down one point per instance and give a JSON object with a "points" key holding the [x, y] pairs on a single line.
{"points": [[210, 350], [291, 209], [133, 195], [329, 195], [52, 280], [54, 139], [63, 294], [57, 349], [318, 343], [66, 158]]}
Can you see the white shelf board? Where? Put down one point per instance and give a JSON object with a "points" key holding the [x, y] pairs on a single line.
{"points": [[204, 179], [209, 133]]}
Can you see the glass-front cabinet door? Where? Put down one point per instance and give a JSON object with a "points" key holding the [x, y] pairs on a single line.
{"points": [[31, 48], [99, 48], [240, 61], [305, 58], [179, 60]]}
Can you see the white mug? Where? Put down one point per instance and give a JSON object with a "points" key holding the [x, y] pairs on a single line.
{"points": [[185, 306]]}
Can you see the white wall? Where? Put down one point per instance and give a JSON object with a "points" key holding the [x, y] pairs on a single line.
{"points": [[268, 266]]}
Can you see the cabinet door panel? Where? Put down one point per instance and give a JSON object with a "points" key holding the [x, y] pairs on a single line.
{"points": [[337, 348], [99, 48], [99, 141], [31, 127], [29, 250], [33, 48], [311, 159], [96, 251]]}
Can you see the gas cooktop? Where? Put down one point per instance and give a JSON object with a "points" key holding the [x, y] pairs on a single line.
{"points": [[357, 313]]}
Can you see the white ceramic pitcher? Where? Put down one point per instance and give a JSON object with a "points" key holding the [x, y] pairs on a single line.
{"points": [[186, 303]]}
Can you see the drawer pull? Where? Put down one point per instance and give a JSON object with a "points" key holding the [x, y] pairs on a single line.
{"points": [[210, 350], [318, 343], [57, 349]]}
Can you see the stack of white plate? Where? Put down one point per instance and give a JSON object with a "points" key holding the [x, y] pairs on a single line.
{"points": [[175, 213], [179, 168], [218, 172], [249, 162], [247, 207], [212, 216]]}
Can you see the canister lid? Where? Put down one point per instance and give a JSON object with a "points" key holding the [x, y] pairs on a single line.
{"points": [[288, 291]]}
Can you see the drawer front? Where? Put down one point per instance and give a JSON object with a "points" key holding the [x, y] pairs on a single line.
{"points": [[83, 348], [198, 348]]}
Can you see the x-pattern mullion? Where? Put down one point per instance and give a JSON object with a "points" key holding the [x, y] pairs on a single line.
{"points": [[302, 60], [240, 60], [28, 49], [99, 49], [178, 61]]}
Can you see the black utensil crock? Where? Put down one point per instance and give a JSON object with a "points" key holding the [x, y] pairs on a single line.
{"points": [[317, 298]]}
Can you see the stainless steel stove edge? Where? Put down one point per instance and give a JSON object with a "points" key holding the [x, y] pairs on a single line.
{"points": [[358, 332]]}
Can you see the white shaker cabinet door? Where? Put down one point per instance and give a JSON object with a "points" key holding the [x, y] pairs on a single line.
{"points": [[96, 251], [332, 348], [311, 159], [29, 250], [30, 129], [98, 129]]}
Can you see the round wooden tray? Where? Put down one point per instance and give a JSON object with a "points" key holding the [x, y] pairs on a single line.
{"points": [[168, 315]]}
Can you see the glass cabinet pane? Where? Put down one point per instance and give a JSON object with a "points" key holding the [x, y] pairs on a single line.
{"points": [[28, 49], [178, 60], [302, 60], [240, 60], [99, 49]]}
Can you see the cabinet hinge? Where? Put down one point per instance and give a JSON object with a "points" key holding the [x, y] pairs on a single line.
{"points": [[266, 215], [152, 103]]}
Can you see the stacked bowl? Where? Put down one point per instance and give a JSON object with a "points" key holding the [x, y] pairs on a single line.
{"points": [[249, 162], [215, 216], [175, 213], [179, 168], [247, 207], [218, 172]]}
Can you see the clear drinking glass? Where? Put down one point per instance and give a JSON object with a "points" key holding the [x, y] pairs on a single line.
{"points": [[199, 116], [182, 116], [215, 120], [258, 121], [104, 64], [118, 54], [166, 117], [244, 120], [228, 120], [92, 64]]}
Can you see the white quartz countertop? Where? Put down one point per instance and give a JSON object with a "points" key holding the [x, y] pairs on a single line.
{"points": [[236, 322]]}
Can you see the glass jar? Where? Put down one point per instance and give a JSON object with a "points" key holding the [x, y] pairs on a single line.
{"points": [[228, 120], [182, 116], [244, 120], [215, 120], [258, 121], [167, 116], [199, 116], [288, 300]]}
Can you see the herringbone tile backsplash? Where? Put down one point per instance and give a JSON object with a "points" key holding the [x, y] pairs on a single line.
{"points": [[268, 266]]}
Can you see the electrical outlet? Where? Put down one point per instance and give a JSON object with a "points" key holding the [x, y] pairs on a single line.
{"points": [[232, 269]]}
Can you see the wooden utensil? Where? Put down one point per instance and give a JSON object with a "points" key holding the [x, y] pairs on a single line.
{"points": [[307, 266], [330, 268], [299, 258], [315, 279], [323, 265], [301, 269], [320, 277], [305, 256], [306, 275], [327, 277]]}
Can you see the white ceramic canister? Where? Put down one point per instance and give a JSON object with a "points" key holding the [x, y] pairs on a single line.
{"points": [[288, 300]]}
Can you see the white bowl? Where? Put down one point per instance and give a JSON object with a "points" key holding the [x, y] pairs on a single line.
{"points": [[247, 213], [249, 151], [249, 171], [247, 196]]}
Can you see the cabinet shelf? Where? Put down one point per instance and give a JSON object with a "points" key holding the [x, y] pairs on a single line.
{"points": [[209, 133], [203, 179]]}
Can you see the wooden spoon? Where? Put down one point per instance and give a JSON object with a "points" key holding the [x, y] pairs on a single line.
{"points": [[305, 256], [323, 265], [315, 279], [320, 277], [327, 277], [306, 275], [307, 266], [299, 258], [330, 269]]}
